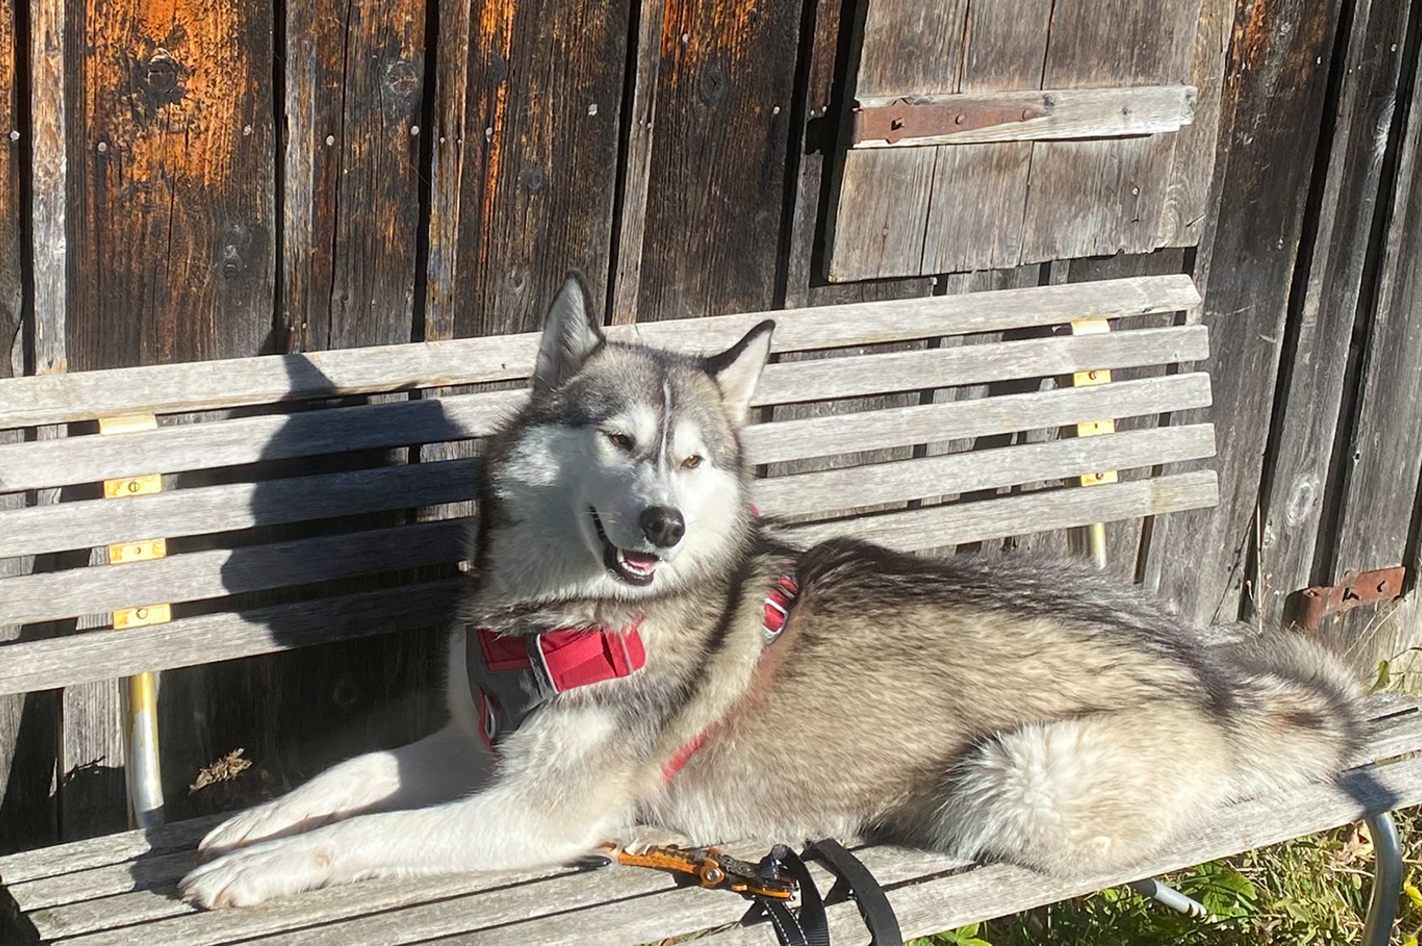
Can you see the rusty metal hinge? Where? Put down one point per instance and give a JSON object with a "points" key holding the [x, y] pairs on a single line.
{"points": [[1312, 605], [904, 118]]}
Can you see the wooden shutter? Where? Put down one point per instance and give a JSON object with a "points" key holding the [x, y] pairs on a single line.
{"points": [[1027, 130]]}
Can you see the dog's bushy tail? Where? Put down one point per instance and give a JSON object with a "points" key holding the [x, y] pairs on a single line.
{"points": [[1298, 711]]}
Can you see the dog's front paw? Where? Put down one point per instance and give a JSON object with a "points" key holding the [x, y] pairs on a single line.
{"points": [[253, 874], [275, 819]]}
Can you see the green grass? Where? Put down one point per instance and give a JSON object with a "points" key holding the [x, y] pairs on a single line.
{"points": [[1312, 890]]}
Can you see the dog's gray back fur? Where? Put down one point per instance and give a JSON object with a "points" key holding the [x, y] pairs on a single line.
{"points": [[1038, 712]]}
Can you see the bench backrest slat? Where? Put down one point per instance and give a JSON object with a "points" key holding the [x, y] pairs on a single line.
{"points": [[830, 491], [308, 491], [945, 526], [82, 658], [57, 399], [218, 572], [234, 506]]}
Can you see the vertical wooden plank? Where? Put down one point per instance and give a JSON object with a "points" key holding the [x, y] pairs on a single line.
{"points": [[1192, 162], [912, 45], [527, 104], [718, 192], [637, 165], [11, 285], [1306, 422], [28, 722], [1096, 198], [1280, 55], [174, 251], [826, 38], [354, 90], [354, 93], [1384, 463], [884, 195], [975, 217]]}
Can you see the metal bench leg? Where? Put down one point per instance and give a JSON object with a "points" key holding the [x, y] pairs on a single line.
{"points": [[1170, 897], [1387, 880]]}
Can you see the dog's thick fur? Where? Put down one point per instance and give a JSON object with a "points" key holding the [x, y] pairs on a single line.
{"points": [[1036, 713]]}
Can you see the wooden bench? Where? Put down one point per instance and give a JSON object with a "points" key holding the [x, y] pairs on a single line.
{"points": [[900, 474]]}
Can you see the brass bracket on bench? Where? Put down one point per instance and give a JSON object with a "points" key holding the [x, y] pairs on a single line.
{"points": [[1096, 532], [145, 785]]}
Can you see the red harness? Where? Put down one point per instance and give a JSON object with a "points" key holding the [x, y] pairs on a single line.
{"points": [[567, 658]]}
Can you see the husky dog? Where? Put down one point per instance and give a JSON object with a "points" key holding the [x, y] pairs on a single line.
{"points": [[1034, 713]]}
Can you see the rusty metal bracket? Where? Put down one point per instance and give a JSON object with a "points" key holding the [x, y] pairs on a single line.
{"points": [[1312, 605], [904, 118]]}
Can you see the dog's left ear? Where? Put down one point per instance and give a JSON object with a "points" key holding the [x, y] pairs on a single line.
{"points": [[737, 369], [569, 337]]}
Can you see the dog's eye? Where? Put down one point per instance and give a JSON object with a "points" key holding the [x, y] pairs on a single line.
{"points": [[621, 441], [691, 462]]}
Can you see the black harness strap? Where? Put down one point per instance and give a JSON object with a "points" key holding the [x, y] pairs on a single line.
{"points": [[811, 926], [855, 879]]}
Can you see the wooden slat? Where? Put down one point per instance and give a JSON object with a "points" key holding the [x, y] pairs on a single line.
{"points": [[517, 200], [59, 859], [1308, 417], [1043, 511], [1379, 508], [1065, 114], [28, 666], [983, 469], [1104, 196], [187, 387], [351, 196], [178, 448], [622, 907], [234, 506], [978, 364], [219, 572], [956, 898], [248, 440], [979, 417], [1275, 96], [617, 907]]}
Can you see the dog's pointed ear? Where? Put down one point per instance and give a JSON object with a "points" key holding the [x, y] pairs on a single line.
{"points": [[569, 337], [737, 369]]}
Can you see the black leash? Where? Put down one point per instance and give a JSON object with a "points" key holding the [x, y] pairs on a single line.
{"points": [[810, 927]]}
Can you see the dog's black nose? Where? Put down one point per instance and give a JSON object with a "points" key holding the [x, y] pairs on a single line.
{"points": [[662, 525]]}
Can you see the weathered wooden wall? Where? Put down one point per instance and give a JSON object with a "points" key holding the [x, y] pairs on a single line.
{"points": [[191, 181]]}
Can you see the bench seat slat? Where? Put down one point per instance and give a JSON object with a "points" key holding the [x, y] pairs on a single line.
{"points": [[868, 485], [861, 375], [1043, 511], [219, 572], [90, 459], [625, 906], [28, 666], [61, 398]]}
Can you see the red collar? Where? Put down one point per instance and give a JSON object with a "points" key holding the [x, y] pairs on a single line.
{"points": [[571, 657]]}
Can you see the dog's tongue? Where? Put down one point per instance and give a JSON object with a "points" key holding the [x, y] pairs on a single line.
{"points": [[639, 560]]}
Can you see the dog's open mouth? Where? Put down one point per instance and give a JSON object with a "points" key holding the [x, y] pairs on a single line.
{"points": [[635, 568]]}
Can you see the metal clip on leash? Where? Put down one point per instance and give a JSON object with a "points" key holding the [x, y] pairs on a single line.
{"points": [[771, 884]]}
